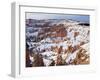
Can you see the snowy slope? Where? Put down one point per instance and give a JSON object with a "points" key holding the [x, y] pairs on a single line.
{"points": [[46, 43]]}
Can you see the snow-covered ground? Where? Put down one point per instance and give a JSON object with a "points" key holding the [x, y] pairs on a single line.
{"points": [[51, 45]]}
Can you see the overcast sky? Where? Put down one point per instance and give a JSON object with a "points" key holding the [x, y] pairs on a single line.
{"points": [[84, 18]]}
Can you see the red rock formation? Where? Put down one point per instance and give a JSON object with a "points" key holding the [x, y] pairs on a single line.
{"points": [[76, 34]]}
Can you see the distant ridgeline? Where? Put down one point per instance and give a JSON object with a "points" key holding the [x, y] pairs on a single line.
{"points": [[84, 24], [35, 22]]}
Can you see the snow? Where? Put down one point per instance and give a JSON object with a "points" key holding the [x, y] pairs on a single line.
{"points": [[86, 47], [71, 56], [32, 34], [64, 56], [48, 42], [31, 59], [63, 44], [49, 53], [47, 62], [50, 57]]}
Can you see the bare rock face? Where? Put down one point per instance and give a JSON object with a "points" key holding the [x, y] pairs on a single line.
{"points": [[28, 59], [38, 60], [81, 58], [60, 50], [76, 34]]}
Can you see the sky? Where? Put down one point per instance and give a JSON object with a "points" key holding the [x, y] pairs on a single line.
{"points": [[39, 16]]}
